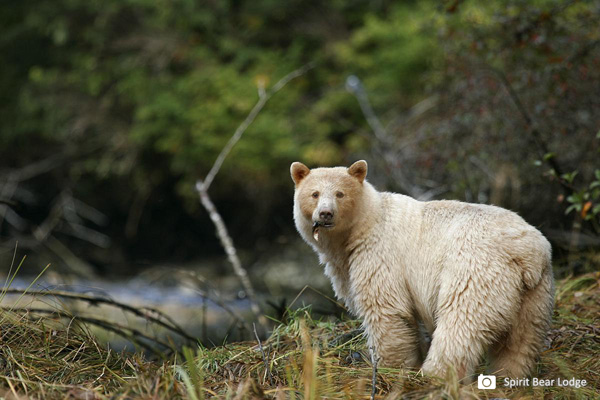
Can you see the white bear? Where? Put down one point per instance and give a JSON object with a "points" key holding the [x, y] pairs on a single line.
{"points": [[477, 277]]}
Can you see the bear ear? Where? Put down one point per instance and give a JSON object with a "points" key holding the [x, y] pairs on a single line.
{"points": [[299, 172], [358, 170]]}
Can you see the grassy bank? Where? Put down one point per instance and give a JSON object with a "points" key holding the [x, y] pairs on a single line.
{"points": [[44, 356]]}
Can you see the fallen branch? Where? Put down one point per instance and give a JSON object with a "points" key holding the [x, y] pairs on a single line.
{"points": [[119, 329], [202, 187], [94, 300]]}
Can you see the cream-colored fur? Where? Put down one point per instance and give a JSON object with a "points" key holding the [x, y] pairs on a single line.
{"points": [[477, 277]]}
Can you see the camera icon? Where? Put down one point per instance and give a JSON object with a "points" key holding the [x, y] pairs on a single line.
{"points": [[486, 382]]}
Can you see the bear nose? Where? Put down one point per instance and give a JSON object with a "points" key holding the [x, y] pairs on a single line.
{"points": [[326, 215]]}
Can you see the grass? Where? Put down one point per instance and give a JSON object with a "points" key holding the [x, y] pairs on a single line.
{"points": [[49, 357]]}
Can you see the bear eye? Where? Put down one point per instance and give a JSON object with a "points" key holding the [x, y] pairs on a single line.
{"points": [[339, 195], [315, 195]]}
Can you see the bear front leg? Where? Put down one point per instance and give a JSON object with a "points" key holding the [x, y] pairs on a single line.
{"points": [[394, 339]]}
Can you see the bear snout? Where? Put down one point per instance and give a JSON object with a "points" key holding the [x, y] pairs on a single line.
{"points": [[326, 215]]}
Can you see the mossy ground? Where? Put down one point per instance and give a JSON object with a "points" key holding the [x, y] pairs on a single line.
{"points": [[49, 357]]}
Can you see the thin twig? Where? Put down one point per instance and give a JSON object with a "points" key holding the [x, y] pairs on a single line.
{"points": [[172, 326], [264, 356], [374, 361], [204, 329]]}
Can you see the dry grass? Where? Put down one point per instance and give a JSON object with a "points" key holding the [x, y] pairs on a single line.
{"points": [[49, 357]]}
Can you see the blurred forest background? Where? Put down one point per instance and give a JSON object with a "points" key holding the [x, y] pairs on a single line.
{"points": [[111, 110]]}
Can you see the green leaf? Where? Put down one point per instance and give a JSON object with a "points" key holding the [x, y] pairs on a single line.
{"points": [[548, 156], [571, 208], [576, 198], [569, 176]]}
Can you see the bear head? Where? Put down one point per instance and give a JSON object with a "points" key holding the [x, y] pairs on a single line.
{"points": [[327, 199]]}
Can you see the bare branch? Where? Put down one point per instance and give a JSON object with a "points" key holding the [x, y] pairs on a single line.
{"points": [[202, 187], [75, 264], [354, 86], [88, 212], [37, 168], [89, 235], [230, 250], [144, 313]]}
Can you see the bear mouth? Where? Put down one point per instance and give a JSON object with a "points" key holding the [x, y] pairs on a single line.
{"points": [[319, 224]]}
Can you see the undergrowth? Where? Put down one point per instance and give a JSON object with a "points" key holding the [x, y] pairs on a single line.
{"points": [[49, 357]]}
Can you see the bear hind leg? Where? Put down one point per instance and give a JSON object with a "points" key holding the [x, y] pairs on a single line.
{"points": [[515, 354], [473, 308]]}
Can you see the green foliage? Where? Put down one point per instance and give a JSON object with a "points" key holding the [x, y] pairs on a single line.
{"points": [[146, 93], [586, 201], [176, 79]]}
